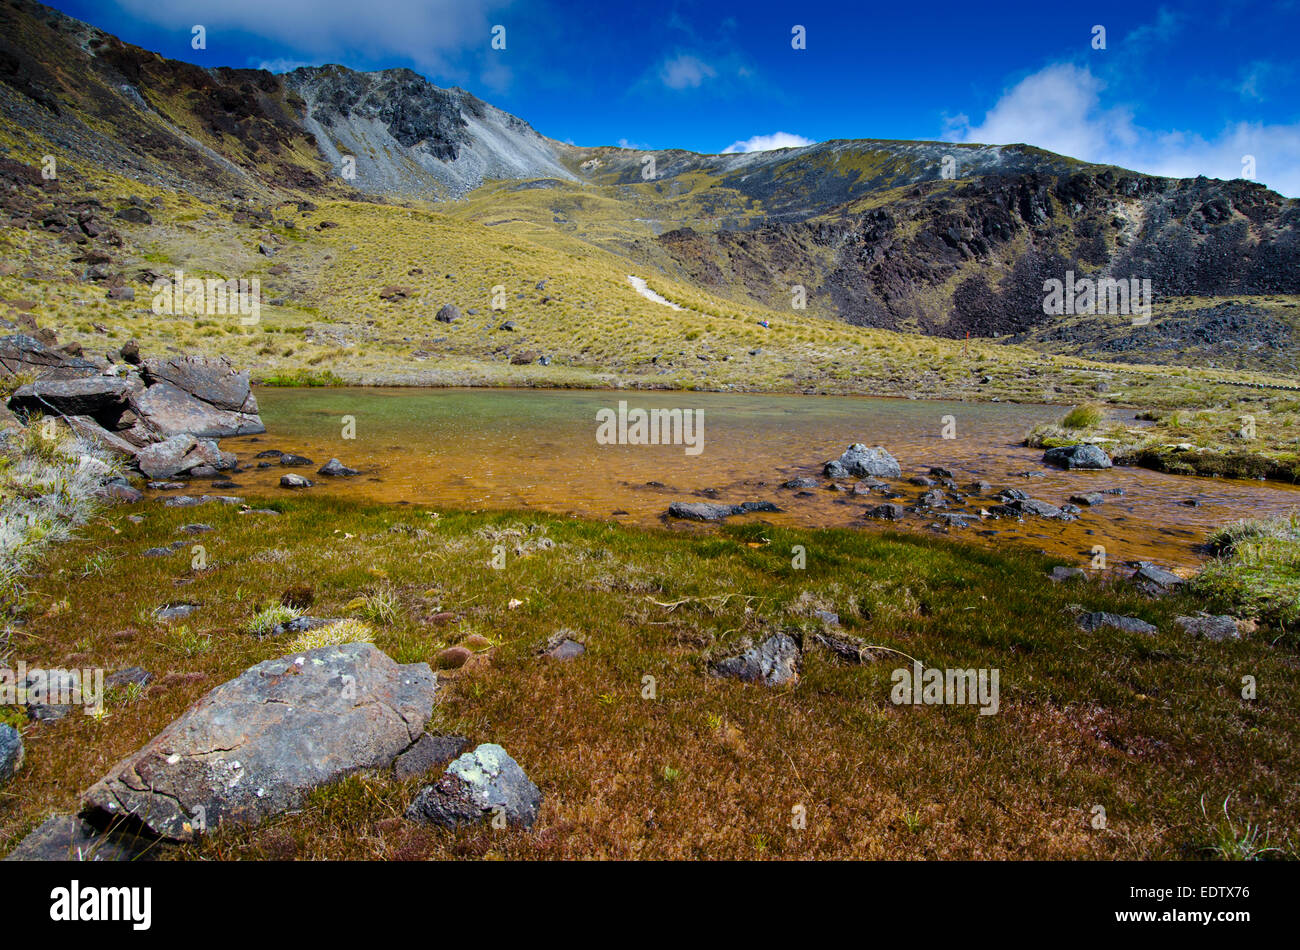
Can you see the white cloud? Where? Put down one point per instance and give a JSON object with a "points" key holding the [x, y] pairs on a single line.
{"points": [[686, 72], [282, 65], [765, 143], [430, 33], [1061, 108]]}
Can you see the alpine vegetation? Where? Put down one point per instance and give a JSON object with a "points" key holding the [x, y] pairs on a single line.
{"points": [[48, 485]]}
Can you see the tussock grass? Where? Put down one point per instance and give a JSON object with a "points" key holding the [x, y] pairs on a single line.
{"points": [[1257, 571], [709, 768], [334, 634], [1085, 416]]}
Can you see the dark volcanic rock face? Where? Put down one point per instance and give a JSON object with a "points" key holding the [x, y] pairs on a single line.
{"points": [[996, 240], [413, 109]]}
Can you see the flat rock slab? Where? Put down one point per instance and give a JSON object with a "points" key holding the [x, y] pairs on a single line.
{"points": [[258, 744], [479, 785], [773, 662], [1156, 580], [1216, 628], [68, 838], [706, 511], [1100, 618]]}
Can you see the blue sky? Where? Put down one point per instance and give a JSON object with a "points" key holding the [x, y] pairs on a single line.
{"points": [[1179, 89]]}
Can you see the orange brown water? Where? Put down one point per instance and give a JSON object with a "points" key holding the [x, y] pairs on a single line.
{"points": [[493, 449]]}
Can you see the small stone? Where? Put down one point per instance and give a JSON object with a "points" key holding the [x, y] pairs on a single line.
{"points": [[1060, 574], [452, 658], [294, 480], [335, 468]]}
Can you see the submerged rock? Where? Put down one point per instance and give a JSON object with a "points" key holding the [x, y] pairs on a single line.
{"points": [[335, 468], [706, 511]]}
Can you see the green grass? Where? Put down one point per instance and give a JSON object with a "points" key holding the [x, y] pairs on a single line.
{"points": [[708, 768], [1256, 572]]}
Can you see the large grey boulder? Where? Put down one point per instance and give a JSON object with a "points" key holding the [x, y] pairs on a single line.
{"points": [[11, 751], [858, 461], [84, 396], [165, 459], [478, 785], [773, 662], [168, 410], [1077, 456], [70, 838], [256, 745], [214, 382]]}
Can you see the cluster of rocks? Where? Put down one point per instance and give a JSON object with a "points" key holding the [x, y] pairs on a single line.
{"points": [[871, 466], [163, 414], [257, 745]]}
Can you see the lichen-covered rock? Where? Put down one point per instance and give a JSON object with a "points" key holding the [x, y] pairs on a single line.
{"points": [[858, 461], [774, 662], [258, 744], [480, 784], [11, 751]]}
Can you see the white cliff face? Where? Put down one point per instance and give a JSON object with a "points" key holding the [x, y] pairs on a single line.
{"points": [[409, 137]]}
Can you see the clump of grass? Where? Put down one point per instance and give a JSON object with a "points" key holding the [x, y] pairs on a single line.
{"points": [[347, 630], [48, 480], [379, 605], [1228, 842], [266, 621], [1086, 416], [1257, 570]]}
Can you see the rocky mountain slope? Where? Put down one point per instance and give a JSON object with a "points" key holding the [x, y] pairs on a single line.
{"points": [[927, 237]]}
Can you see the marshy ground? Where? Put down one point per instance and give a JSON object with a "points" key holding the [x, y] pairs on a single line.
{"points": [[1152, 729]]}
